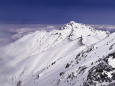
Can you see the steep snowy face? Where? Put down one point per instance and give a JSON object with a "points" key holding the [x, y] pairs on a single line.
{"points": [[87, 34], [46, 56], [41, 41]]}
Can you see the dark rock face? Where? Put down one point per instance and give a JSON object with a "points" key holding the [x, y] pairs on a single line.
{"points": [[101, 74], [19, 83]]}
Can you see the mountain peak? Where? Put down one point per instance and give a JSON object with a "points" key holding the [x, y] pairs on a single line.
{"points": [[72, 22], [73, 25]]}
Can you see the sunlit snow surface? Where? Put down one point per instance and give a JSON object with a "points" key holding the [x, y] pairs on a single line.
{"points": [[53, 57], [111, 61], [11, 32]]}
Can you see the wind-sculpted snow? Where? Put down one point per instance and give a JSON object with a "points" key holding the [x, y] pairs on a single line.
{"points": [[61, 57]]}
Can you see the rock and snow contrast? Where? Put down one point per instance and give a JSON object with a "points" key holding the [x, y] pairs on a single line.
{"points": [[74, 55]]}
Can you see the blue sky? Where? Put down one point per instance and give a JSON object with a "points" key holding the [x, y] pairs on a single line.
{"points": [[57, 11]]}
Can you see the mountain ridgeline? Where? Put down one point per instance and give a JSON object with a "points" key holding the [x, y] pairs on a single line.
{"points": [[74, 55]]}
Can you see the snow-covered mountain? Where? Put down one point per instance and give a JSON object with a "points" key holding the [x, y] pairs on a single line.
{"points": [[74, 55]]}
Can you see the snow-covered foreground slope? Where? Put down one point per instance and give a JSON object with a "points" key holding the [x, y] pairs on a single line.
{"points": [[65, 57]]}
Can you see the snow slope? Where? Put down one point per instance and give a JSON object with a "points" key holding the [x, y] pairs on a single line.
{"points": [[56, 58]]}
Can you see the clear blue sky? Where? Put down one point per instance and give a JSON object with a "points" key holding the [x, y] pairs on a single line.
{"points": [[57, 11]]}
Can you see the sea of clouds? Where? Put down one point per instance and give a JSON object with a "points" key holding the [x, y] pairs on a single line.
{"points": [[12, 32]]}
